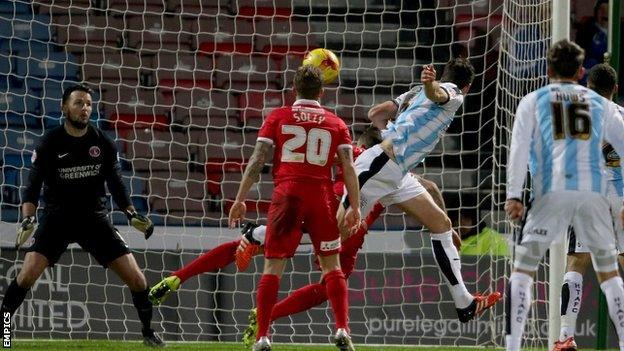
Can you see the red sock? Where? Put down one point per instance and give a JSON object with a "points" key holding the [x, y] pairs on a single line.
{"points": [[349, 250], [300, 300], [336, 288], [210, 261], [374, 214], [265, 300]]}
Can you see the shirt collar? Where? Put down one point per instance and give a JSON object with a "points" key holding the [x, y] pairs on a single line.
{"points": [[307, 102]]}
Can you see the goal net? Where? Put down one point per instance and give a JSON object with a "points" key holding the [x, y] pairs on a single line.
{"points": [[182, 86]]}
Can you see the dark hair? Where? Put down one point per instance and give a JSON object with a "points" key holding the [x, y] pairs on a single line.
{"points": [[565, 58], [459, 71], [597, 6], [370, 137], [308, 82], [602, 78], [77, 87]]}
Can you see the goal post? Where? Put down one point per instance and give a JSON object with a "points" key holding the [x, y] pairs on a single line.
{"points": [[558, 249]]}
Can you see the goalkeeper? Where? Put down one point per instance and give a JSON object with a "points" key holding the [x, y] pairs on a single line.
{"points": [[72, 163]]}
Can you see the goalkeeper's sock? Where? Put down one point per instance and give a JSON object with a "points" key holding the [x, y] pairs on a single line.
{"points": [[13, 297], [143, 307], [336, 288], [571, 292], [266, 298], [210, 261], [447, 257], [614, 294], [516, 311], [300, 300]]}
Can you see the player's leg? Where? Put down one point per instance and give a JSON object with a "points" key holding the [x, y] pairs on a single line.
{"points": [[107, 246], [593, 226], [283, 235], [128, 270], [325, 236], [571, 291], [209, 261], [413, 199], [546, 219], [250, 245], [34, 264], [49, 243]]}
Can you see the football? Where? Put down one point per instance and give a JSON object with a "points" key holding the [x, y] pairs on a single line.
{"points": [[326, 61]]}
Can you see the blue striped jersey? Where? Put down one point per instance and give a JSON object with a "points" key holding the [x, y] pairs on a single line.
{"points": [[417, 129], [558, 132], [612, 159]]}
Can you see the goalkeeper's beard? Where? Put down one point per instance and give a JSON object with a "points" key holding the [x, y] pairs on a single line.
{"points": [[77, 123]]}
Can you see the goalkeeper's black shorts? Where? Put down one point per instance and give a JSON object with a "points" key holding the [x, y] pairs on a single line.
{"points": [[94, 233]]}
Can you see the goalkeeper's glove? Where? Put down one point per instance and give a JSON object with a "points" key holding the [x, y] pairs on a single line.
{"points": [[141, 223], [24, 230]]}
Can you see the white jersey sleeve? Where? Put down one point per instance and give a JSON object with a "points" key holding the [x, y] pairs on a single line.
{"points": [[614, 129], [456, 98], [521, 139]]}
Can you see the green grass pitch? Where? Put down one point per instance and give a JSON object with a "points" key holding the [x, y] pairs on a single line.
{"points": [[135, 345]]}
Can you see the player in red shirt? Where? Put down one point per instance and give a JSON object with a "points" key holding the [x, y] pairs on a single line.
{"points": [[306, 137], [252, 237]]}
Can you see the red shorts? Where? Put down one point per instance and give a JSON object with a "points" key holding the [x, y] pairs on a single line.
{"points": [[294, 203]]}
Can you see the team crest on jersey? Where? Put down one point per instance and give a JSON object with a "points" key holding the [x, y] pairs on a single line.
{"points": [[94, 151], [612, 159]]}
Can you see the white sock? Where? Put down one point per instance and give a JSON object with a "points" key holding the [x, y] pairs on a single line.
{"points": [[447, 258], [520, 292], [259, 233], [614, 293], [571, 293]]}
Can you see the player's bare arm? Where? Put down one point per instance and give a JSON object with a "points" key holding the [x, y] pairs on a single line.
{"points": [[351, 220], [381, 113], [250, 176], [433, 91]]}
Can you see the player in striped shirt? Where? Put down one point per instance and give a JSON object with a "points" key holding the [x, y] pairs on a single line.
{"points": [[558, 132], [602, 79], [383, 170]]}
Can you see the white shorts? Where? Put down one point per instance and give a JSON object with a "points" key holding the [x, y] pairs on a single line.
{"points": [[381, 179], [549, 217], [615, 205]]}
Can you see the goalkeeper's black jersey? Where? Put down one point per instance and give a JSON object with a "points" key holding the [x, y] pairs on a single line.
{"points": [[73, 171]]}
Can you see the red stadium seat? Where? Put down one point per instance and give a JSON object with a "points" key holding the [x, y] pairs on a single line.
{"points": [[258, 105], [127, 106], [78, 33], [205, 108], [180, 70], [113, 66], [265, 8], [222, 35], [154, 33], [283, 37], [205, 7], [125, 6], [245, 69]]}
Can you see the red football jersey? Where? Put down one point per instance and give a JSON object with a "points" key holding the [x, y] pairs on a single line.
{"points": [[306, 137]]}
